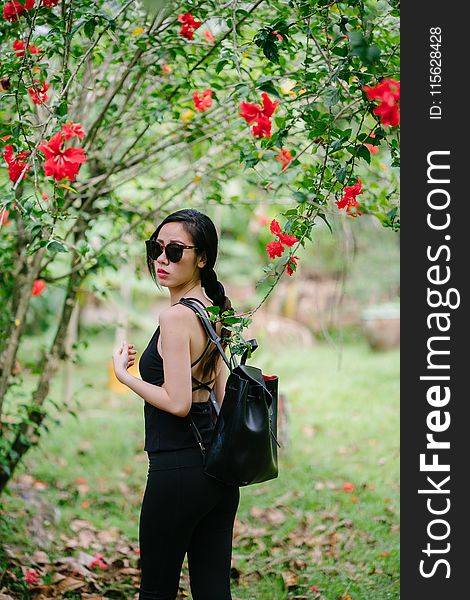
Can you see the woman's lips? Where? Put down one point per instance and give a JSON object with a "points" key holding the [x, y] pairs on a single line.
{"points": [[162, 273]]}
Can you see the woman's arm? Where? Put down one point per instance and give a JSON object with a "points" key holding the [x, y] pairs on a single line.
{"points": [[220, 381], [176, 396]]}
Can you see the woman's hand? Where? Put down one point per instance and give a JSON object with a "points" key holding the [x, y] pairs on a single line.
{"points": [[123, 358]]}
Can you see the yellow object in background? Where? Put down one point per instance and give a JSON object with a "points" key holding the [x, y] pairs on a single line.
{"points": [[187, 115], [114, 384]]}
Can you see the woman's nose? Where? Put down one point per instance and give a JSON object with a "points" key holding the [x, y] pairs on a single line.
{"points": [[163, 259]]}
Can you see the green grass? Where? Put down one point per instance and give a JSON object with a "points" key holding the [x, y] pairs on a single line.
{"points": [[300, 530]]}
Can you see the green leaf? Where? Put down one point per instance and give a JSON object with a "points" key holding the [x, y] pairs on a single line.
{"points": [[62, 108], [269, 88], [220, 65], [249, 158], [363, 152], [35, 230], [55, 246], [331, 96], [360, 47], [340, 51], [341, 173], [232, 320], [323, 217], [338, 144], [89, 28], [300, 197], [267, 42]]}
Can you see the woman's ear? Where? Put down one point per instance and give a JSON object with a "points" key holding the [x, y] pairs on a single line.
{"points": [[202, 260]]}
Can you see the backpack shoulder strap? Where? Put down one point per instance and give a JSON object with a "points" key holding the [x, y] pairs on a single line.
{"points": [[213, 336]]}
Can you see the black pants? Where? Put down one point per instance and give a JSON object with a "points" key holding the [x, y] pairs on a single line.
{"points": [[184, 510]]}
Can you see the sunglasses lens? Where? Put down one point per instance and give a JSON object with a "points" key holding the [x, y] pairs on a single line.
{"points": [[174, 252], [153, 249]]}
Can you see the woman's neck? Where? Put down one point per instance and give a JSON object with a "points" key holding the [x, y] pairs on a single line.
{"points": [[195, 289]]}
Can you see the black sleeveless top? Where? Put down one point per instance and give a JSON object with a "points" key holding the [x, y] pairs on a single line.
{"points": [[163, 430]]}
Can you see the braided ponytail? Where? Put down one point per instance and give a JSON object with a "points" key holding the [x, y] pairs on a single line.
{"points": [[216, 292], [214, 289]]}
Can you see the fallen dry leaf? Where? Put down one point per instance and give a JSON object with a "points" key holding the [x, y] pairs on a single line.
{"points": [[107, 536], [290, 578], [40, 557], [40, 485], [78, 524], [76, 564], [274, 516], [70, 583], [86, 538]]}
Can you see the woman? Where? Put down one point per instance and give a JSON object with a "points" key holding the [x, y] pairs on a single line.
{"points": [[183, 510]]}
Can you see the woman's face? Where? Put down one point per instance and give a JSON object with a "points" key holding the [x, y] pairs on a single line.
{"points": [[170, 274]]}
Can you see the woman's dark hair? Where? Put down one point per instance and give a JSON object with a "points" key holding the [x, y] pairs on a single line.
{"points": [[204, 236]]}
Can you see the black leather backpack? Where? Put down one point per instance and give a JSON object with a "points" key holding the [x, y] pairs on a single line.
{"points": [[244, 445]]}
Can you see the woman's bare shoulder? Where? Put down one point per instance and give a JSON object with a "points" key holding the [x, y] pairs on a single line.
{"points": [[176, 314]]}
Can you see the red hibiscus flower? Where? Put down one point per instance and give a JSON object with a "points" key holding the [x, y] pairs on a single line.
{"points": [[388, 92], [39, 286], [277, 247], [209, 37], [349, 201], [287, 240], [99, 562], [292, 265], [250, 112], [262, 127], [285, 158], [38, 94], [13, 10], [4, 220], [50, 2], [275, 228], [72, 130], [19, 46], [254, 112], [372, 149], [389, 114], [284, 238], [274, 249], [268, 106], [189, 25], [383, 89], [61, 163], [16, 163], [202, 104]]}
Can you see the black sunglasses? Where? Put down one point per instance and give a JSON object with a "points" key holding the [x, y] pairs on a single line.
{"points": [[174, 252]]}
